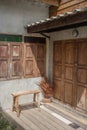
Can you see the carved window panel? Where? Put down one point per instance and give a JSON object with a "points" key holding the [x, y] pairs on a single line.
{"points": [[16, 60], [40, 60], [29, 68], [16, 68], [40, 68], [16, 51], [3, 51], [40, 51], [3, 69], [29, 59], [4, 61], [30, 51]]}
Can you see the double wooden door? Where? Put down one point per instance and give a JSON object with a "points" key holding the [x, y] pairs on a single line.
{"points": [[70, 72]]}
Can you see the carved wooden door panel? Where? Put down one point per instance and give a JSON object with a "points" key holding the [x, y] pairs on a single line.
{"points": [[29, 57], [82, 75], [40, 60], [57, 70], [4, 60], [16, 60]]}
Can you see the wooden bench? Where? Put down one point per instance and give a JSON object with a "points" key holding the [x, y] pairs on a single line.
{"points": [[16, 106]]}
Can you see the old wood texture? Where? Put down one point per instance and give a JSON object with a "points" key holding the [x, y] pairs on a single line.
{"points": [[67, 6], [16, 70], [29, 59], [70, 73], [51, 2], [18, 60], [4, 60]]}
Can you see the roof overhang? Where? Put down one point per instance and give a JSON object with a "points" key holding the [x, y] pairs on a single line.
{"points": [[68, 20]]}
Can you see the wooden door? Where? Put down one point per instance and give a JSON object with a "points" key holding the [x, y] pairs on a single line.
{"points": [[70, 73], [16, 60], [82, 75], [4, 61]]}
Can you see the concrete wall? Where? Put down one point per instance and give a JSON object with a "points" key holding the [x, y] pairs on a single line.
{"points": [[15, 14], [63, 35], [8, 87]]}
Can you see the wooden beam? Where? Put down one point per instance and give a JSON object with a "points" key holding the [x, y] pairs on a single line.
{"points": [[51, 2], [59, 23]]}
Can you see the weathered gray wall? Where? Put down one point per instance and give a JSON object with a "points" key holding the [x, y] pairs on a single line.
{"points": [[15, 14], [63, 35]]}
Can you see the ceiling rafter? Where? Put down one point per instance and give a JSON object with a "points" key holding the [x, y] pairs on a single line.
{"points": [[52, 2]]}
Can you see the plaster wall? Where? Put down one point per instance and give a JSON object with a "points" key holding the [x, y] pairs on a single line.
{"points": [[62, 35], [16, 14], [12, 86]]}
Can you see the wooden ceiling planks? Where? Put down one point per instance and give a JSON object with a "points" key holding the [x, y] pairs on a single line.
{"points": [[51, 2]]}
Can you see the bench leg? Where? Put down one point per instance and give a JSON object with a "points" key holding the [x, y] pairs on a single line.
{"points": [[13, 106], [38, 101], [34, 97], [17, 106]]}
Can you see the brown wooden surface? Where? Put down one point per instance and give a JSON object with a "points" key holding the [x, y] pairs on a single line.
{"points": [[29, 58], [40, 60], [51, 2], [16, 106], [82, 75], [70, 72], [67, 5], [25, 92], [18, 60], [4, 60]]}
